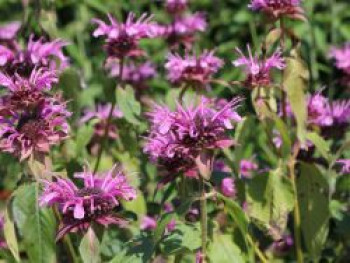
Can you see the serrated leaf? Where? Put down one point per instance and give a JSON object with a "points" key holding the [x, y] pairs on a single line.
{"points": [[90, 248], [314, 208], [295, 78], [36, 225]]}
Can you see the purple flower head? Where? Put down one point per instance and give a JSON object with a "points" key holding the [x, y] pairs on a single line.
{"points": [[95, 201], [176, 7], [221, 166], [32, 132], [148, 223], [279, 8], [282, 246], [340, 112], [247, 167], [318, 109], [101, 115], [26, 93], [191, 69], [342, 57], [38, 54], [122, 38], [178, 137], [133, 74], [182, 30], [8, 32], [345, 165], [228, 187], [258, 70]]}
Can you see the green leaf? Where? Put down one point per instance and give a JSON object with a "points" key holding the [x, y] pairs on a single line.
{"points": [[314, 208], [223, 249], [36, 225], [185, 238], [236, 212], [270, 199], [90, 247], [161, 225], [10, 235], [295, 78], [127, 103], [321, 145], [272, 37]]}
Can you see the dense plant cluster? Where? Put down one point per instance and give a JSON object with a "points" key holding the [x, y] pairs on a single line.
{"points": [[175, 131]]}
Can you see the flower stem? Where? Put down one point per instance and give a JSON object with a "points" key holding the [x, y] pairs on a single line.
{"points": [[67, 241], [105, 135], [257, 251], [297, 222], [204, 219], [284, 97]]}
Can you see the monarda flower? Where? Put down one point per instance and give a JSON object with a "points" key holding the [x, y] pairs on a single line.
{"points": [[247, 167], [228, 187], [133, 74], [178, 137], [95, 201], [37, 54], [279, 8], [101, 114], [122, 39], [148, 223], [9, 31], [342, 58], [192, 70], [26, 93], [182, 30], [176, 7], [345, 163], [32, 132], [258, 71]]}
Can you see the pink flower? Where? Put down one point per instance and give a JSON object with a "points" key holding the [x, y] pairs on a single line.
{"points": [[9, 31], [176, 7], [319, 110], [101, 115], [340, 112], [193, 70], [182, 29], [221, 166], [37, 54], [148, 223], [26, 93], [345, 165], [133, 74], [342, 57], [122, 39], [95, 201], [247, 167], [228, 187], [30, 132], [279, 8], [258, 70], [178, 137]]}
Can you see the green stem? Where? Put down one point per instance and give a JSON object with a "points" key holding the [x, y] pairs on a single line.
{"points": [[297, 221], [110, 115], [204, 219], [257, 251], [67, 241]]}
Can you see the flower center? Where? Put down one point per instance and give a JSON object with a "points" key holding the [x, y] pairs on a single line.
{"points": [[31, 127], [88, 191], [278, 4], [121, 46]]}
